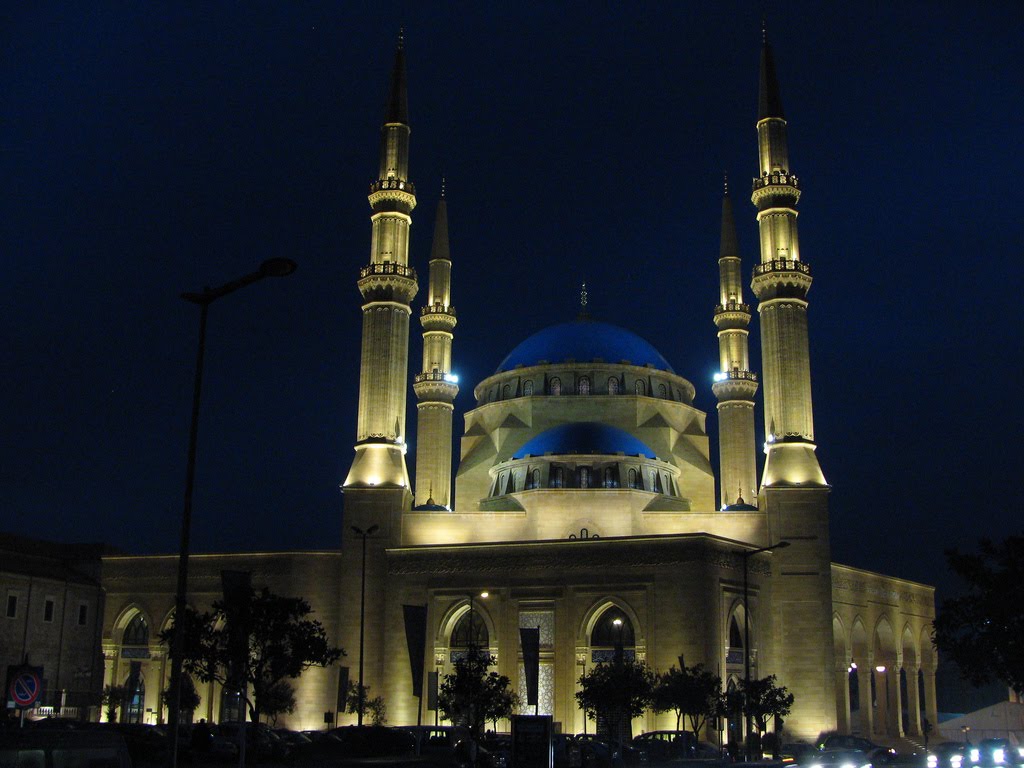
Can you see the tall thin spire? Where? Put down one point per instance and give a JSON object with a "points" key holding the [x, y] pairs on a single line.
{"points": [[729, 245], [436, 386], [398, 94], [735, 384], [769, 102]]}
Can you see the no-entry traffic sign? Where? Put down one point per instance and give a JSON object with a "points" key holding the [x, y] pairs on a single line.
{"points": [[26, 686]]}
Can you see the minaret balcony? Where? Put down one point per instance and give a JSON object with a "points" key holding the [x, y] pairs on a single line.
{"points": [[735, 385], [732, 316], [396, 184], [781, 265], [437, 309], [387, 268], [435, 387], [777, 179]]}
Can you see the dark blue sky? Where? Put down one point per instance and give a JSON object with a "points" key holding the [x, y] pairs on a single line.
{"points": [[148, 149]]}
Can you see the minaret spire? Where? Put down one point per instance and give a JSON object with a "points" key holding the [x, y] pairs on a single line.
{"points": [[435, 386], [387, 284], [735, 384], [781, 282]]}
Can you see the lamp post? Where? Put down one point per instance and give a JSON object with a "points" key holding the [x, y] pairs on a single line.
{"points": [[270, 268], [361, 694], [746, 632]]}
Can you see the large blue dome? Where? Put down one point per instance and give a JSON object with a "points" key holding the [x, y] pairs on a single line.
{"points": [[584, 437], [584, 341]]}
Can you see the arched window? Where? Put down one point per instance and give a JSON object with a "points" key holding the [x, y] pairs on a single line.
{"points": [[613, 386], [135, 694], [499, 489], [583, 477], [555, 386], [608, 634], [634, 478], [557, 477], [584, 386], [506, 392], [640, 388], [528, 389], [655, 481], [533, 479], [609, 478], [735, 637], [137, 631], [662, 392], [469, 630]]}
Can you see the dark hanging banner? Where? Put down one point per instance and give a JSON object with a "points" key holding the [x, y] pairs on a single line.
{"points": [[432, 683], [530, 638], [416, 637]]}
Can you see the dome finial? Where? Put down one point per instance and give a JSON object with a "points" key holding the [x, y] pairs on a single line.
{"points": [[583, 315]]}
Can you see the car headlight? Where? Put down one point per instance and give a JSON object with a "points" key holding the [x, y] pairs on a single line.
{"points": [[999, 755], [956, 761], [975, 755], [933, 761], [814, 765]]}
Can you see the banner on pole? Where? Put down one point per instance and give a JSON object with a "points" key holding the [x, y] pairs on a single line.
{"points": [[416, 639], [530, 639]]}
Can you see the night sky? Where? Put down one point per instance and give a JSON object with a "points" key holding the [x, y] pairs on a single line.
{"points": [[148, 149]]}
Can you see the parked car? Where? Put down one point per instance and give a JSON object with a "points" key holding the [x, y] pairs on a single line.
{"points": [[443, 743], [63, 747], [662, 746], [798, 752], [840, 758], [947, 754], [868, 747], [566, 751], [355, 741], [995, 752]]}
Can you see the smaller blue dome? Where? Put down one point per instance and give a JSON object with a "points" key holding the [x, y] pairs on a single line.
{"points": [[584, 437]]}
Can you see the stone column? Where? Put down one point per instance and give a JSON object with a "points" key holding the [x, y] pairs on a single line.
{"points": [[867, 713], [842, 697], [913, 703]]}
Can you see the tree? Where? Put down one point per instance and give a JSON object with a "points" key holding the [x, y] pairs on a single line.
{"points": [[763, 700], [620, 690], [113, 698], [983, 629], [693, 692], [282, 643], [474, 696], [375, 706], [189, 696]]}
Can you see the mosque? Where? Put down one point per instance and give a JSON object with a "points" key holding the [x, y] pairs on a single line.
{"points": [[584, 503]]}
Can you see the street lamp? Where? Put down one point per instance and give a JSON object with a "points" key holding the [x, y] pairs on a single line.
{"points": [[746, 632], [277, 267], [361, 694]]}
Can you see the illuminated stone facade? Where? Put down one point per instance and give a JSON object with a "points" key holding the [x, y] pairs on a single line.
{"points": [[585, 491]]}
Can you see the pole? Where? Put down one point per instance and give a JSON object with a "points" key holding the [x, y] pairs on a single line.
{"points": [[746, 637], [276, 267], [178, 639]]}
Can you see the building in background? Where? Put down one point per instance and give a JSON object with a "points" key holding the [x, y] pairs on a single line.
{"points": [[52, 618]]}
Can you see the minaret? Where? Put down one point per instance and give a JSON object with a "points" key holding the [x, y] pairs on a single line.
{"points": [[794, 494], [781, 282], [435, 385], [735, 384], [387, 285]]}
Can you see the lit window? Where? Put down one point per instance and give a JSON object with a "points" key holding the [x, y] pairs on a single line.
{"points": [[584, 477], [662, 392], [584, 386], [557, 477], [639, 387], [528, 389], [633, 479], [613, 386], [555, 386], [505, 392], [609, 478]]}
